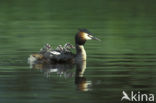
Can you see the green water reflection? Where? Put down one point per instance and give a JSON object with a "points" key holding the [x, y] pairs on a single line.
{"points": [[125, 59]]}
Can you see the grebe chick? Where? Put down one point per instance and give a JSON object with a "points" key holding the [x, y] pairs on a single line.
{"points": [[63, 54]]}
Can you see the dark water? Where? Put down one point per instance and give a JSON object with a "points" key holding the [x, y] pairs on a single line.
{"points": [[125, 59]]}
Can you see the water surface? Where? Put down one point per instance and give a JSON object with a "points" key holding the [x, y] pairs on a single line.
{"points": [[125, 59]]}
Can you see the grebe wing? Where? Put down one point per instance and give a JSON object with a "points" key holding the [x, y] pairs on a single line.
{"points": [[60, 54]]}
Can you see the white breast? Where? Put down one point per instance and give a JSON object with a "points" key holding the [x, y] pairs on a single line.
{"points": [[82, 54]]}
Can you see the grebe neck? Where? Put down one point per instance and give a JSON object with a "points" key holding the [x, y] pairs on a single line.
{"points": [[80, 53]]}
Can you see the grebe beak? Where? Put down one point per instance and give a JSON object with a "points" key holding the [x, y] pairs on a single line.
{"points": [[95, 38]]}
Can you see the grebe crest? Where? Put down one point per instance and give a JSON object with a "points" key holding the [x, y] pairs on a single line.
{"points": [[83, 35], [63, 54]]}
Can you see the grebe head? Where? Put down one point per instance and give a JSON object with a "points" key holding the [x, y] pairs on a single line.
{"points": [[83, 35]]}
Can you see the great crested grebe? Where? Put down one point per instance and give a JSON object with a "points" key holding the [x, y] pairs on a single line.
{"points": [[63, 54]]}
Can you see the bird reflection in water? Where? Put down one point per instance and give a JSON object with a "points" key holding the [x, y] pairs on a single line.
{"points": [[66, 71], [80, 80]]}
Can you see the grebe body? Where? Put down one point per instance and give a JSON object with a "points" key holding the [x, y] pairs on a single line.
{"points": [[63, 54]]}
